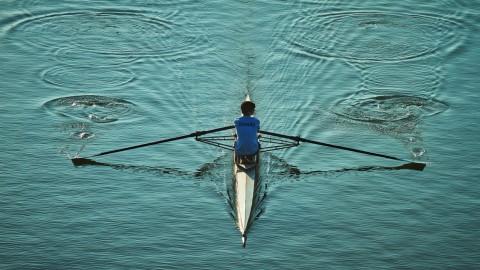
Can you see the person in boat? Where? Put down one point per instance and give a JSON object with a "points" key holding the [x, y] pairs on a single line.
{"points": [[247, 128]]}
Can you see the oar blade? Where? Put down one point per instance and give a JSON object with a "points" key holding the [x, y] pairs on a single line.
{"points": [[84, 162], [417, 166]]}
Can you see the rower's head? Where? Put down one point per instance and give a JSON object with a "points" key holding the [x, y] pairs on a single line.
{"points": [[248, 108]]}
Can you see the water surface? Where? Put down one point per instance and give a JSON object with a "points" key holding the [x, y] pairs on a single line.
{"points": [[394, 78]]}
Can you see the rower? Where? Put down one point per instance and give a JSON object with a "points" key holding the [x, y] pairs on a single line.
{"points": [[247, 126]]}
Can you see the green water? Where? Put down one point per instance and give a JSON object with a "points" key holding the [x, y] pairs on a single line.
{"points": [[80, 78]]}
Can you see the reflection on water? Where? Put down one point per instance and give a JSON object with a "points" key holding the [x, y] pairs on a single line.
{"points": [[155, 170]]}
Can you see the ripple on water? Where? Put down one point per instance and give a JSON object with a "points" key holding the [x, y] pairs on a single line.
{"points": [[388, 109], [78, 56], [87, 77], [397, 116], [97, 109], [372, 36], [416, 79], [125, 33]]}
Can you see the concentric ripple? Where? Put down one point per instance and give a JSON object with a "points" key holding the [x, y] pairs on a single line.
{"points": [[78, 56], [415, 79], [372, 36], [110, 32], [388, 109], [97, 109], [87, 77]]}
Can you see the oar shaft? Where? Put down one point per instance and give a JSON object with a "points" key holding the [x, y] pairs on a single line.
{"points": [[195, 134], [329, 145], [349, 149], [142, 145]]}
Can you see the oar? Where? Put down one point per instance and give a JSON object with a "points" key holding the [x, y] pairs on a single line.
{"points": [[78, 161], [412, 164]]}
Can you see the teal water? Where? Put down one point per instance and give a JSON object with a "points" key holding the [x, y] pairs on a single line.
{"points": [[79, 78]]}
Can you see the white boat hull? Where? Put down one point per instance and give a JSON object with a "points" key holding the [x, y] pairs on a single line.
{"points": [[246, 194]]}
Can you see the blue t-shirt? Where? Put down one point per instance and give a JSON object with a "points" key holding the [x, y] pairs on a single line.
{"points": [[247, 138]]}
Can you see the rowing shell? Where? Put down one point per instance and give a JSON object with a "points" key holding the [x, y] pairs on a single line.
{"points": [[245, 171], [247, 190]]}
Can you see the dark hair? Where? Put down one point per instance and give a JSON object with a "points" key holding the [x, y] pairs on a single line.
{"points": [[247, 107]]}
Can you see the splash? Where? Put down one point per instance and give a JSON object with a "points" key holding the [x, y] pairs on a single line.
{"points": [[398, 116], [79, 135], [96, 109], [388, 109]]}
